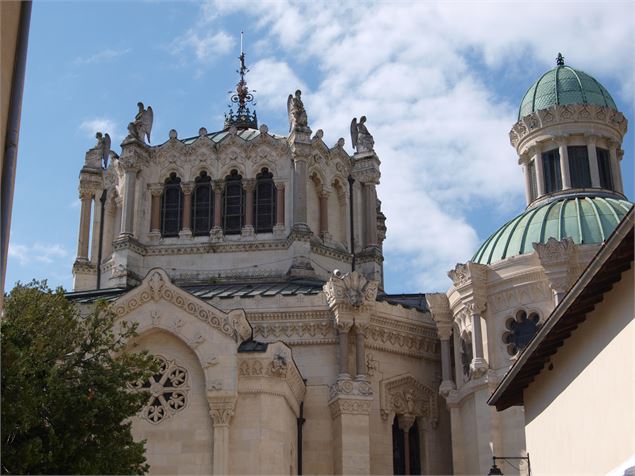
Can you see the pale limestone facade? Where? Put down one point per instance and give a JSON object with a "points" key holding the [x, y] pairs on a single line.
{"points": [[309, 361]]}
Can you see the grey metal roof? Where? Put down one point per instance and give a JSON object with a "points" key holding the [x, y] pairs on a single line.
{"points": [[248, 290], [84, 297], [411, 301], [245, 134]]}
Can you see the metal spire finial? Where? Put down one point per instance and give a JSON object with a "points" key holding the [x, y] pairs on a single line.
{"points": [[560, 60], [243, 117]]}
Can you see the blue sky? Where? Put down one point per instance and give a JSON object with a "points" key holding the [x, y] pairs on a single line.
{"points": [[439, 82]]}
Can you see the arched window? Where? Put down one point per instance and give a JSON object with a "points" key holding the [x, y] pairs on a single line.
{"points": [[233, 204], [171, 206], [202, 205], [265, 202], [401, 451], [520, 330]]}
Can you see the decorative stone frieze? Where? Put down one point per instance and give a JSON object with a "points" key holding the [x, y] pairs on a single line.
{"points": [[350, 406], [570, 113], [348, 387], [405, 395]]}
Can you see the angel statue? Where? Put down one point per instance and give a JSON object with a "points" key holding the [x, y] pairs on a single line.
{"points": [[297, 113], [103, 146], [360, 137], [142, 125]]}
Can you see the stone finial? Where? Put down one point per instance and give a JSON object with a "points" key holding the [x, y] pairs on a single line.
{"points": [[560, 60], [202, 132], [352, 289], [173, 134]]}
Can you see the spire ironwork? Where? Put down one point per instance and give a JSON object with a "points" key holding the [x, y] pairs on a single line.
{"points": [[560, 60], [242, 117]]}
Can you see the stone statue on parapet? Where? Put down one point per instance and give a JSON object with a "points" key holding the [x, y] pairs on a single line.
{"points": [[360, 137], [142, 125], [101, 153], [296, 111]]}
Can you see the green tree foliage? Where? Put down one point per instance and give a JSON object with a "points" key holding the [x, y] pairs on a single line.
{"points": [[66, 406]]}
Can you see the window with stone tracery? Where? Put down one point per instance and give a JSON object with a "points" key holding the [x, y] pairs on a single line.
{"points": [[520, 330], [168, 391], [265, 202], [233, 204], [171, 206], [202, 205]]}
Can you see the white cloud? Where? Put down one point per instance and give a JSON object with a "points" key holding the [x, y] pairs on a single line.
{"points": [[205, 45], [43, 253], [101, 56], [101, 124], [427, 76]]}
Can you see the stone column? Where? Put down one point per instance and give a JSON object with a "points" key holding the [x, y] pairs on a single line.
{"points": [[84, 224], [540, 173], [94, 237], [564, 162], [186, 230], [249, 186], [221, 411], [324, 213], [615, 167], [405, 422], [479, 364], [371, 214], [109, 222], [280, 204], [127, 213], [299, 192], [360, 350], [439, 306], [527, 174], [155, 208], [342, 331], [591, 140], [219, 185]]}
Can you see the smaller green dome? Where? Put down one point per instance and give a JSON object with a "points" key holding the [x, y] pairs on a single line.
{"points": [[564, 85], [586, 220]]}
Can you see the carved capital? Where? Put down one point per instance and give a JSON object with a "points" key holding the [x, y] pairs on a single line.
{"points": [[591, 139], [218, 184], [187, 187], [350, 406], [86, 194], [348, 387], [221, 408], [156, 189], [343, 325], [562, 140], [249, 185], [280, 185], [405, 421], [361, 327]]}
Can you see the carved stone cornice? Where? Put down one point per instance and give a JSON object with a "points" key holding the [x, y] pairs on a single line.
{"points": [[351, 291], [350, 405], [570, 113], [558, 259], [82, 266], [156, 287], [405, 395]]}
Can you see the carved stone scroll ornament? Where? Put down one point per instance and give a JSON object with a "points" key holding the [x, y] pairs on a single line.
{"points": [[348, 387], [351, 288]]}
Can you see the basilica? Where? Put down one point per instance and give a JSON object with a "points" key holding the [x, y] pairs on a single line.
{"points": [[252, 264]]}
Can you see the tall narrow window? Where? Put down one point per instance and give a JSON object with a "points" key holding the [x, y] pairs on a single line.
{"points": [[604, 165], [233, 204], [531, 168], [202, 205], [579, 166], [265, 203], [171, 206], [551, 167], [401, 451]]}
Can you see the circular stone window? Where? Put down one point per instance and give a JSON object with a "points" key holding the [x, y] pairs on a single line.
{"points": [[520, 330], [168, 391]]}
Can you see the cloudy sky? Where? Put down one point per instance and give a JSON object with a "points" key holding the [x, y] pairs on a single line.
{"points": [[440, 84]]}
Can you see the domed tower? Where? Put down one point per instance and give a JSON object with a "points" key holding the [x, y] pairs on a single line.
{"points": [[568, 138]]}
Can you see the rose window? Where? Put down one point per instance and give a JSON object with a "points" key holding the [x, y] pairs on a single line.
{"points": [[520, 330], [168, 391]]}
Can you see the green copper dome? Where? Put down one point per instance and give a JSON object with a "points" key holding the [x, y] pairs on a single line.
{"points": [[586, 220], [564, 85]]}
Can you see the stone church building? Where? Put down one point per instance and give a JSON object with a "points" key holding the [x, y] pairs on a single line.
{"points": [[252, 264]]}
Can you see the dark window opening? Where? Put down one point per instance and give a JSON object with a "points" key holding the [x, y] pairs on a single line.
{"points": [[520, 331], [466, 357], [533, 192], [233, 204], [551, 169], [171, 206], [202, 205], [604, 166], [399, 449], [265, 202], [579, 166]]}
